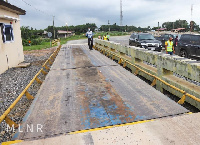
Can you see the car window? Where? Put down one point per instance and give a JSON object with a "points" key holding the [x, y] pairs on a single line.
{"points": [[173, 36], [185, 38], [166, 36], [179, 36], [195, 40], [146, 37], [198, 40]]}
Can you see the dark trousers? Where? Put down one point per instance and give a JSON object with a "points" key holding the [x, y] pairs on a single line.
{"points": [[90, 43], [169, 52]]}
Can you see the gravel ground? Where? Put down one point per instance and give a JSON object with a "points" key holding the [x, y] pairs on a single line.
{"points": [[12, 83]]}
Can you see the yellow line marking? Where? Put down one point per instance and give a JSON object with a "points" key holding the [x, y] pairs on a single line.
{"points": [[11, 142], [107, 127], [189, 113]]}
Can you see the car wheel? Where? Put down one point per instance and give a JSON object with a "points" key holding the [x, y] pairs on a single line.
{"points": [[183, 53]]}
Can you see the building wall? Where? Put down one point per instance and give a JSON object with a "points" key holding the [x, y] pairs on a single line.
{"points": [[11, 53]]}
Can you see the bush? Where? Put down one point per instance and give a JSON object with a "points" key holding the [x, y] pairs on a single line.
{"points": [[45, 39], [37, 41], [25, 42]]}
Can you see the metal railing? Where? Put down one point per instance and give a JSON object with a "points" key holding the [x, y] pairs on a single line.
{"points": [[25, 92], [122, 59], [55, 41]]}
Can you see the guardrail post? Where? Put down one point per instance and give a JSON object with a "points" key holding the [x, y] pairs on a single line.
{"points": [[154, 82], [11, 123], [113, 57], [38, 80], [46, 67], [44, 72], [136, 72], [50, 62], [124, 65], [29, 96], [182, 100], [120, 61]]}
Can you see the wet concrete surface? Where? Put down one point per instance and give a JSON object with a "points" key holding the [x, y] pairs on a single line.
{"points": [[85, 90]]}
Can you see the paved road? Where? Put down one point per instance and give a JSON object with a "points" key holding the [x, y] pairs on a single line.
{"points": [[85, 90], [124, 40]]}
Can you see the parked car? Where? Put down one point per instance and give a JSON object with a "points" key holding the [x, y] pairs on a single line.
{"points": [[146, 41], [189, 46], [165, 37]]}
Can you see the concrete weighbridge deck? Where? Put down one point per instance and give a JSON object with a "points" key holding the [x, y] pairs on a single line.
{"points": [[84, 89]]}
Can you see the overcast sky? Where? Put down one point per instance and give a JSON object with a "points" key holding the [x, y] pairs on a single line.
{"points": [[141, 13]]}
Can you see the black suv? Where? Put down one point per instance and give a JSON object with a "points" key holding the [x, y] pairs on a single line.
{"points": [[188, 46], [165, 37], [145, 40]]}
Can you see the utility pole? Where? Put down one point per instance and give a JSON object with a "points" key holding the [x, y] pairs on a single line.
{"points": [[109, 25], [191, 24], [53, 28], [121, 15]]}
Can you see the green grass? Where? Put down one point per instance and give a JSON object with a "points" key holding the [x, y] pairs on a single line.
{"points": [[45, 45]]}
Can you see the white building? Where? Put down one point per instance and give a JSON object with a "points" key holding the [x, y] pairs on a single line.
{"points": [[11, 49]]}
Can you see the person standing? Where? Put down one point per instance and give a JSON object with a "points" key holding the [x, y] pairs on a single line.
{"points": [[108, 36], [90, 38], [169, 47], [105, 37], [175, 42]]}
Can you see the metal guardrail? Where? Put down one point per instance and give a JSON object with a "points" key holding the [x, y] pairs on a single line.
{"points": [[55, 42], [25, 91], [122, 59]]}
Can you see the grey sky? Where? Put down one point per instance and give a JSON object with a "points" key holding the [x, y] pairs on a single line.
{"points": [[135, 12]]}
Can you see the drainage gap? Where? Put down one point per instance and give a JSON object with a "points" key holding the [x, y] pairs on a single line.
{"points": [[188, 106]]}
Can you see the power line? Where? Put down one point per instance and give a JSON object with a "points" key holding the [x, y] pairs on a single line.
{"points": [[45, 13], [37, 8], [55, 18]]}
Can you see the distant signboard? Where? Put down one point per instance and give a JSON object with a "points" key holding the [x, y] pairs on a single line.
{"points": [[49, 34]]}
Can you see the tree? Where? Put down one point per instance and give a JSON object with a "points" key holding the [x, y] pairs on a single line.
{"points": [[194, 26], [30, 34], [177, 24], [155, 28]]}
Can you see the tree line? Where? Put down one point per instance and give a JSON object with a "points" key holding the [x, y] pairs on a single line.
{"points": [[28, 33], [181, 24]]}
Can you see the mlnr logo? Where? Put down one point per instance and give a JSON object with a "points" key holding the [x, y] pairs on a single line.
{"points": [[28, 128]]}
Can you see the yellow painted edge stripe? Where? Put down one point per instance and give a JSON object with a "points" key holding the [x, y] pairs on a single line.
{"points": [[11, 142], [107, 127], [189, 113]]}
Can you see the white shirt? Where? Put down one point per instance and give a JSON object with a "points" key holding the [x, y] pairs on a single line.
{"points": [[89, 34]]}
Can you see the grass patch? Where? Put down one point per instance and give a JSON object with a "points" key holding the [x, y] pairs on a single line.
{"points": [[44, 45]]}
